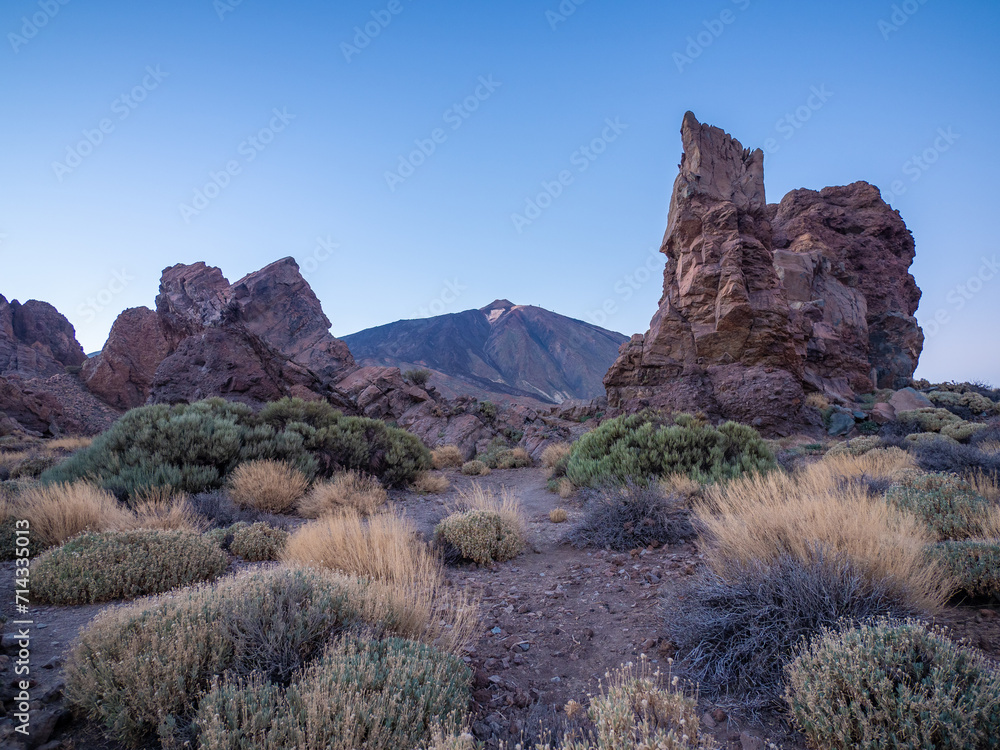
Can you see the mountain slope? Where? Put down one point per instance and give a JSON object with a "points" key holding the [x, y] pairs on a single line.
{"points": [[501, 350]]}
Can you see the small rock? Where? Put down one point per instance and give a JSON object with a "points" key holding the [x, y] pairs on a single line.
{"points": [[496, 631], [749, 742], [719, 715], [708, 721]]}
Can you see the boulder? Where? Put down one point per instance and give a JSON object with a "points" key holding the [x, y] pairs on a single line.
{"points": [[909, 399]]}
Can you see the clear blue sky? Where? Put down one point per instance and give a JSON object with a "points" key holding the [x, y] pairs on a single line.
{"points": [[76, 218]]}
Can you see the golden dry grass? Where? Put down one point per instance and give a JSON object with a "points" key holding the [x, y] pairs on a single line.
{"points": [[57, 512], [985, 485], [555, 453], [818, 401], [69, 444], [759, 517], [881, 463], [991, 447], [447, 457], [348, 490], [505, 503], [406, 580], [159, 508], [268, 486], [682, 486], [558, 515], [566, 488], [432, 483]]}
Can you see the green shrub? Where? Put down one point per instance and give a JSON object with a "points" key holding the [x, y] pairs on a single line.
{"points": [[140, 670], [941, 421], [101, 567], [475, 469], [258, 542], [501, 455], [639, 447], [488, 411], [223, 536], [974, 564], [889, 686], [946, 503], [417, 377], [969, 402], [380, 695], [194, 447], [483, 536], [856, 447]]}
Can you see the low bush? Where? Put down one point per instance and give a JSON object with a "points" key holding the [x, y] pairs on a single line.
{"points": [[736, 633], [57, 512], [417, 377], [953, 458], [101, 567], [893, 686], [556, 454], [514, 458], [140, 670], [447, 457], [383, 695], [267, 486], [631, 516], [966, 405], [486, 528], [157, 509], [194, 447], [430, 483], [348, 490], [639, 708], [640, 447], [258, 542], [761, 518], [558, 515], [974, 564], [386, 550], [947, 504], [475, 469], [856, 447]]}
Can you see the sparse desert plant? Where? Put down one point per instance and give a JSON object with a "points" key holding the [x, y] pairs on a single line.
{"points": [[736, 633], [258, 542], [630, 516], [856, 447], [556, 453], [513, 458], [641, 708], [558, 515], [57, 512], [641, 447], [818, 401], [347, 490], [407, 578], [430, 483], [760, 518], [943, 456], [974, 564], [565, 488], [486, 528], [140, 670], [159, 508], [101, 567], [682, 487], [892, 685], [223, 535], [418, 377], [268, 486], [475, 469], [947, 504], [447, 457], [383, 695]]}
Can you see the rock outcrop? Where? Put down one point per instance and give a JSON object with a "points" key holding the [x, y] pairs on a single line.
{"points": [[39, 389], [762, 303], [122, 374]]}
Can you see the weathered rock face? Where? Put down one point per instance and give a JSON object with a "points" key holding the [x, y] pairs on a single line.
{"points": [[122, 374], [37, 394], [860, 245], [762, 303]]}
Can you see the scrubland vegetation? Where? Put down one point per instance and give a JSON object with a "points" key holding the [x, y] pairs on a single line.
{"points": [[818, 577]]}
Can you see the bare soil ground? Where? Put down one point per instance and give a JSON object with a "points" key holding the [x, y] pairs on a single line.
{"points": [[554, 621]]}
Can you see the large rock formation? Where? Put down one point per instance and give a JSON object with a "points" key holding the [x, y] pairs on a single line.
{"points": [[500, 352], [39, 390], [762, 303]]}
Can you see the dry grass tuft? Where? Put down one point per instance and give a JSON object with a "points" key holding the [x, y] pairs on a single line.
{"points": [[430, 483], [555, 453], [757, 518], [881, 463], [69, 444], [818, 401], [447, 457], [159, 508], [267, 486], [506, 504], [408, 587], [475, 469], [682, 486], [57, 512], [347, 491], [565, 488], [558, 515], [987, 486]]}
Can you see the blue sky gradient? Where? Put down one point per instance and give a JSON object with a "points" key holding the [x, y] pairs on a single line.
{"points": [[394, 169]]}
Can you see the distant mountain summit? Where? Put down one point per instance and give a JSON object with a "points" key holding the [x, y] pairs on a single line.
{"points": [[501, 350]]}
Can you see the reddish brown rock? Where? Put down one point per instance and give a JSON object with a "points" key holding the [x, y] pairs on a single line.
{"points": [[36, 340], [724, 321], [122, 374], [762, 303]]}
